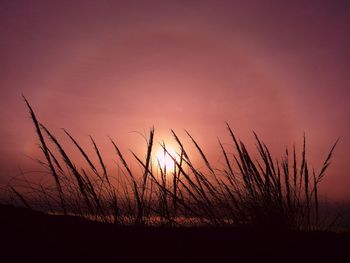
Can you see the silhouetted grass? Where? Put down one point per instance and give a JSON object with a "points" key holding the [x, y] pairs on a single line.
{"points": [[259, 191]]}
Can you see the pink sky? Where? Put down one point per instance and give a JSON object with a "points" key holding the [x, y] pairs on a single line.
{"points": [[110, 68]]}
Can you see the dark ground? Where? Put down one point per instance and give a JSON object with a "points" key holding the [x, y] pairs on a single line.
{"points": [[27, 235]]}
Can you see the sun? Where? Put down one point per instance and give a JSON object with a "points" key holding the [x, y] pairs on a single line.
{"points": [[165, 159]]}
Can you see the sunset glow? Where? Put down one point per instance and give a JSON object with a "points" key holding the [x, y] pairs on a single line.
{"points": [[109, 68], [174, 130], [165, 159]]}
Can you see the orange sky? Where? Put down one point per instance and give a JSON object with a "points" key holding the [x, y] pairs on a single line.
{"points": [[111, 67]]}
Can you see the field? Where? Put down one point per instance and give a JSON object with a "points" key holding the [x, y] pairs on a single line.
{"points": [[256, 208], [32, 235]]}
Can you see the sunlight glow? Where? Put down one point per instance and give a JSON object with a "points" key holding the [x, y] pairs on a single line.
{"points": [[164, 160]]}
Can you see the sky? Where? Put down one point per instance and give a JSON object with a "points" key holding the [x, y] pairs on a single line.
{"points": [[110, 68]]}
